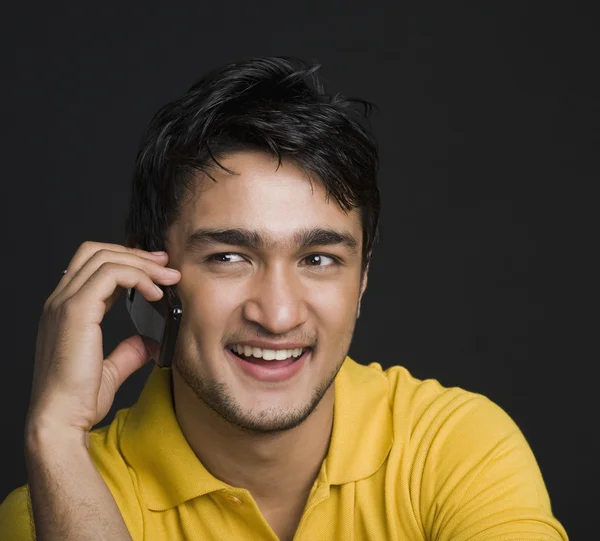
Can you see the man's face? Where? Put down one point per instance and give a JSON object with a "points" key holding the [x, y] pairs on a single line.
{"points": [[265, 260]]}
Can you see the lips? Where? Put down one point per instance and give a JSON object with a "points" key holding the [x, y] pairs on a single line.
{"points": [[250, 353], [269, 371], [269, 364]]}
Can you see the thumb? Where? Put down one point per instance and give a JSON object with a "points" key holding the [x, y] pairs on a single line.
{"points": [[130, 355]]}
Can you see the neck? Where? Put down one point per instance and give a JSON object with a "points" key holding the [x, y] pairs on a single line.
{"points": [[272, 467]]}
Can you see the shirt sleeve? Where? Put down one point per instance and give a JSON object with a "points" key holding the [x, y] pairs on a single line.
{"points": [[480, 480], [16, 520]]}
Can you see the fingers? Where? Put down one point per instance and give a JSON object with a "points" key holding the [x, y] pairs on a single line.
{"points": [[91, 298], [88, 249], [107, 258], [73, 383], [92, 256], [130, 355]]}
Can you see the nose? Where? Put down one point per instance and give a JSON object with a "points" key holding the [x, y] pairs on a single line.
{"points": [[275, 300]]}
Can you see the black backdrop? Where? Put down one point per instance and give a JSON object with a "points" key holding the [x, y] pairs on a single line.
{"points": [[488, 127]]}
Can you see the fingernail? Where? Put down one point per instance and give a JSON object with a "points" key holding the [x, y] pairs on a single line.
{"points": [[161, 252]]}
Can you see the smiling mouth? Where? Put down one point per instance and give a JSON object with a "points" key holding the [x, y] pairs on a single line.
{"points": [[253, 354]]}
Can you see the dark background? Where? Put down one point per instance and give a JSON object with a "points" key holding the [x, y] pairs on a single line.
{"points": [[488, 127]]}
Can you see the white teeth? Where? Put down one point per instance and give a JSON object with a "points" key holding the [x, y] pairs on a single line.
{"points": [[281, 354], [266, 354]]}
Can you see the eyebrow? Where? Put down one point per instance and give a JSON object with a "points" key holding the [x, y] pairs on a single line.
{"points": [[257, 240]]}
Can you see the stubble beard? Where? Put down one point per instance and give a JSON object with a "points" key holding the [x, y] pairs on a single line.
{"points": [[217, 396]]}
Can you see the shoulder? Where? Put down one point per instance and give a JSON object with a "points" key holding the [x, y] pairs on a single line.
{"points": [[424, 406], [451, 434], [16, 520], [424, 414], [464, 460]]}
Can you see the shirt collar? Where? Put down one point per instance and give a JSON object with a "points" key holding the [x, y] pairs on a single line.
{"points": [[169, 472]]}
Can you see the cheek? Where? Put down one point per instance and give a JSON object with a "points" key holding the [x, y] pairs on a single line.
{"points": [[335, 305], [208, 308], [212, 305]]}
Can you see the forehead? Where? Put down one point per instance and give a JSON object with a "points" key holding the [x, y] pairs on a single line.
{"points": [[260, 195]]}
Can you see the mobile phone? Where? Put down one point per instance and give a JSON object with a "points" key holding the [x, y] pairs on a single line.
{"points": [[158, 321]]}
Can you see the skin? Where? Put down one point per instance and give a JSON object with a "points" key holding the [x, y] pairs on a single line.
{"points": [[268, 437], [74, 386]]}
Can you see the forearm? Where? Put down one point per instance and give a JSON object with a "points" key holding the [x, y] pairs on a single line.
{"points": [[70, 500]]}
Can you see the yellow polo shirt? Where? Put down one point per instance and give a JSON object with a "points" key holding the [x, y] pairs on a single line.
{"points": [[408, 460]]}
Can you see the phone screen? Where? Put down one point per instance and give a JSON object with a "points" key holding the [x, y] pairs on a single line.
{"points": [[157, 321]]}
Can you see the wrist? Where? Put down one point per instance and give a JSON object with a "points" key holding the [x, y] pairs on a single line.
{"points": [[45, 436]]}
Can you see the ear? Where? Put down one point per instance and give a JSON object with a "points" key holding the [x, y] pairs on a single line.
{"points": [[363, 287]]}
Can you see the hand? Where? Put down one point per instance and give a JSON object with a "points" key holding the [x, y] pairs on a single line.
{"points": [[73, 384]]}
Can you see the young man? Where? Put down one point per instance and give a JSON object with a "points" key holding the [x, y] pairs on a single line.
{"points": [[262, 190]]}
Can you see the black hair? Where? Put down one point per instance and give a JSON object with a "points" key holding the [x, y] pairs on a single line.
{"points": [[277, 105]]}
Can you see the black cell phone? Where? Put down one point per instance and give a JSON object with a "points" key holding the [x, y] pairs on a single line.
{"points": [[158, 321]]}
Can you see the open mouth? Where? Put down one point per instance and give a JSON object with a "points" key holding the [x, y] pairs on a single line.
{"points": [[265, 356], [271, 366]]}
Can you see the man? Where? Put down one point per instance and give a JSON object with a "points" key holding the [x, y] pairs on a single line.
{"points": [[262, 190]]}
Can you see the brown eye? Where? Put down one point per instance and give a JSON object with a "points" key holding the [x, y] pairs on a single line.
{"points": [[320, 260], [228, 257]]}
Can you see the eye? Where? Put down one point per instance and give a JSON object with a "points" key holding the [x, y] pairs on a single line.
{"points": [[320, 260], [228, 257]]}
